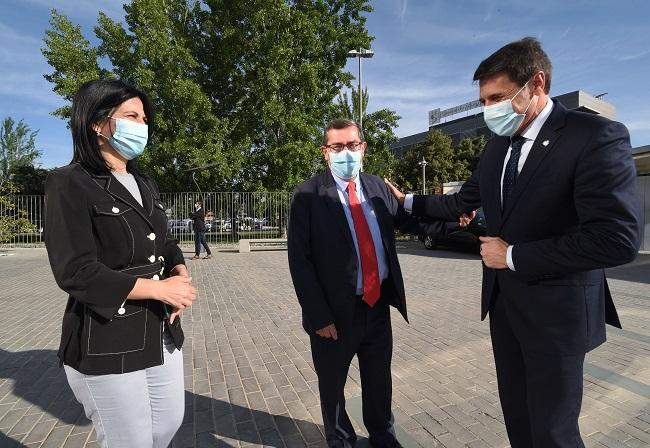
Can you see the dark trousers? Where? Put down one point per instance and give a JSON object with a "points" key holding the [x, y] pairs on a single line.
{"points": [[540, 393], [199, 239], [370, 337]]}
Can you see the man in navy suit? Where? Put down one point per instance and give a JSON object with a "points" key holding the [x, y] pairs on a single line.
{"points": [[558, 190], [345, 271]]}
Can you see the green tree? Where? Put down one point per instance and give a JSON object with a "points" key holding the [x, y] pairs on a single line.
{"points": [[378, 130], [443, 164], [13, 221], [469, 151], [277, 66], [29, 179], [17, 146], [73, 58], [241, 86]]}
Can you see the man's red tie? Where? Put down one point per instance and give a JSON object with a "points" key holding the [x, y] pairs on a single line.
{"points": [[370, 270]]}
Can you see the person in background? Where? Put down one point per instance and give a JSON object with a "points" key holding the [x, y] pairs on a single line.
{"points": [[198, 224], [558, 190], [109, 248]]}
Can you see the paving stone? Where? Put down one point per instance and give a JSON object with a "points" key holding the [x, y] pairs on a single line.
{"points": [[249, 374]]}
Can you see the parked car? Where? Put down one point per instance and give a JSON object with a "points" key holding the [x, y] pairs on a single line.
{"points": [[180, 225], [215, 225], [260, 223], [452, 235]]}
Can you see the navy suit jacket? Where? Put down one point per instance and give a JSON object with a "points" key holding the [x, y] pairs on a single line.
{"points": [[322, 257], [574, 212]]}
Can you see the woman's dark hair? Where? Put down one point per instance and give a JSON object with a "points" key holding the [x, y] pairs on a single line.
{"points": [[519, 60], [93, 103]]}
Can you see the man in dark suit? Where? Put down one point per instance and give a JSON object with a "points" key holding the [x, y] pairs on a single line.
{"points": [[345, 272], [198, 224], [558, 192]]}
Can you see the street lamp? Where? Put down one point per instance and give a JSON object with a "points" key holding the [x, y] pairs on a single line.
{"points": [[360, 53], [423, 163]]}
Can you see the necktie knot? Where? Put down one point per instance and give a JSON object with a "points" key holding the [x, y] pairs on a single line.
{"points": [[352, 187], [517, 142]]}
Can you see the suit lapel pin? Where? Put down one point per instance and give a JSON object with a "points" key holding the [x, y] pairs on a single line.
{"points": [[546, 142]]}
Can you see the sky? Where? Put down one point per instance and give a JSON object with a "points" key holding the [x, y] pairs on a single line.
{"points": [[426, 52]]}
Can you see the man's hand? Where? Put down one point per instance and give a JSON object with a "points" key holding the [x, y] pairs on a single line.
{"points": [[398, 194], [328, 332], [494, 252], [464, 220]]}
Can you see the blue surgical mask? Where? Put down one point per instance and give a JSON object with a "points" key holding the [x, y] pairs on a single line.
{"points": [[345, 164], [129, 138], [501, 117]]}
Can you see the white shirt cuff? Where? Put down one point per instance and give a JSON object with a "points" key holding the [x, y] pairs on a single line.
{"points": [[408, 203], [511, 264]]}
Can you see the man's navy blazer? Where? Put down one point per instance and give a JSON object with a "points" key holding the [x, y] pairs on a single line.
{"points": [[322, 257], [574, 211]]}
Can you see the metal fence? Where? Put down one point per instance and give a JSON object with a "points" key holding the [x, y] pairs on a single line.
{"points": [[34, 205], [229, 216]]}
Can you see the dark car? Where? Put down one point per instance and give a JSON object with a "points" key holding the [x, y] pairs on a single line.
{"points": [[180, 225], [452, 235]]}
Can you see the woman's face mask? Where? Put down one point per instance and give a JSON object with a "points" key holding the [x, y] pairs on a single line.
{"points": [[129, 137]]}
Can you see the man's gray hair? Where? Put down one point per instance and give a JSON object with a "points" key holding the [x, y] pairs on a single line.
{"points": [[342, 123]]}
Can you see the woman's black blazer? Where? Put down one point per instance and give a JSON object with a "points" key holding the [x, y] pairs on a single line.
{"points": [[99, 240]]}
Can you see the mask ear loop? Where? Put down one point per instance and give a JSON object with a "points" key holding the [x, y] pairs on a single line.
{"points": [[528, 107], [99, 133], [518, 92]]}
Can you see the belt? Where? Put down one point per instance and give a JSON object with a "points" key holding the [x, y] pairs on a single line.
{"points": [[146, 270]]}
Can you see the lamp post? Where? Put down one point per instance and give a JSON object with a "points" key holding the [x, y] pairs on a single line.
{"points": [[423, 163], [360, 53]]}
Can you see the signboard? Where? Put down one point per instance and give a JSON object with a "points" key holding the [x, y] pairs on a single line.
{"points": [[436, 115]]}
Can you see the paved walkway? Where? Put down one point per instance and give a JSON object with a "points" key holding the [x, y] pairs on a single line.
{"points": [[249, 377]]}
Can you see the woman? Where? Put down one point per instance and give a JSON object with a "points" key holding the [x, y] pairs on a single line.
{"points": [[109, 249]]}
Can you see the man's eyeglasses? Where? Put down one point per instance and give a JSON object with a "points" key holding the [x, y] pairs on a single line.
{"points": [[351, 146]]}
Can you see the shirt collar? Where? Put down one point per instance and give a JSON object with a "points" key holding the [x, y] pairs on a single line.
{"points": [[343, 184], [531, 132]]}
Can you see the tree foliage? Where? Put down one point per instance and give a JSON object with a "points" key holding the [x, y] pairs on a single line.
{"points": [[469, 150], [377, 129], [17, 146], [240, 86], [13, 221], [29, 179], [445, 163]]}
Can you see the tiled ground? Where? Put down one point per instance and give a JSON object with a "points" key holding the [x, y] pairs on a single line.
{"points": [[248, 370]]}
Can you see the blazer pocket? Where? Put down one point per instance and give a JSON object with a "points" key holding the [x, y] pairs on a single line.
{"points": [[124, 333], [110, 208], [579, 279], [115, 228]]}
